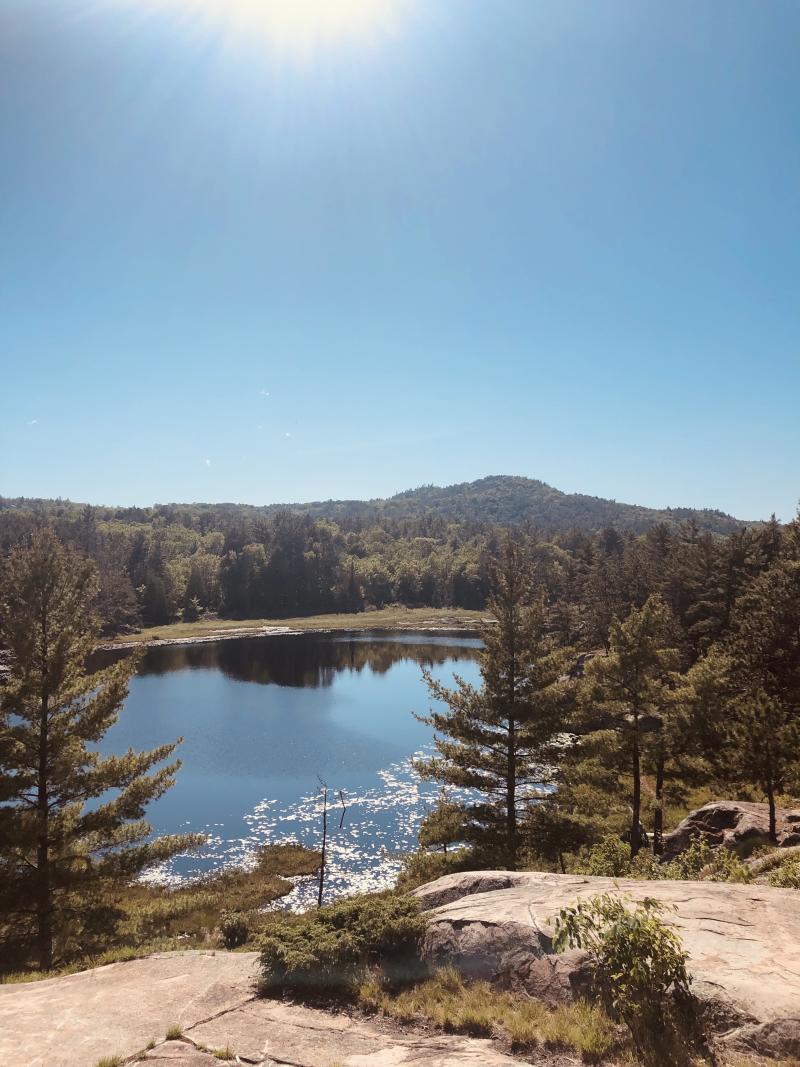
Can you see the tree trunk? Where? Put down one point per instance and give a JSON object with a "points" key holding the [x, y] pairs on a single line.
{"points": [[637, 790], [773, 829], [44, 939], [658, 820], [321, 886], [511, 769], [511, 798]]}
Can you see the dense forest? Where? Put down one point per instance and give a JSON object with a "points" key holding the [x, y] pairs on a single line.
{"points": [[430, 547]]}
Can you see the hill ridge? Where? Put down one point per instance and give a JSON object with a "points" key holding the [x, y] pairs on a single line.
{"points": [[498, 499]]}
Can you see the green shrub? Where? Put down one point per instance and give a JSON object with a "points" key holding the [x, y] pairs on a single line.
{"points": [[638, 959], [233, 929], [609, 858], [331, 948], [703, 862], [786, 876]]}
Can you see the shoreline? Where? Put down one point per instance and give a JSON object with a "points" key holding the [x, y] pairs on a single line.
{"points": [[427, 621]]}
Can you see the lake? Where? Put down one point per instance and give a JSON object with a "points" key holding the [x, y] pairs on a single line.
{"points": [[264, 719]]}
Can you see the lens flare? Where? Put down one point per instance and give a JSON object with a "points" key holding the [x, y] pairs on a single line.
{"points": [[294, 26]]}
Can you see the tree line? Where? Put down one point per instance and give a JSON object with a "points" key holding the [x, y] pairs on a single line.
{"points": [[178, 562]]}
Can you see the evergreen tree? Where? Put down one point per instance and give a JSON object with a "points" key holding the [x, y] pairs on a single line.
{"points": [[636, 682], [763, 670], [501, 740], [764, 735], [59, 858], [444, 824]]}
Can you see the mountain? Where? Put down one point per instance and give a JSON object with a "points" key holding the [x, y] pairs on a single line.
{"points": [[506, 500], [501, 500]]}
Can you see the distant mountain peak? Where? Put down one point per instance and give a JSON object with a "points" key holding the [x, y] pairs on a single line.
{"points": [[505, 499]]}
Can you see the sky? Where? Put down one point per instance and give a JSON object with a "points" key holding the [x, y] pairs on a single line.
{"points": [[257, 252]]}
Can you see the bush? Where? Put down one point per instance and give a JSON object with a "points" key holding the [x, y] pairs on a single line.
{"points": [[233, 929], [330, 949], [702, 861], [638, 959], [787, 876], [609, 858]]}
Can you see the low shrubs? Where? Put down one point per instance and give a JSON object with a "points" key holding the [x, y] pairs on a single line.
{"points": [[786, 876], [701, 861], [331, 949], [638, 959], [233, 929]]}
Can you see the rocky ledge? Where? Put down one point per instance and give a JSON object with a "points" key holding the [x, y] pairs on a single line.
{"points": [[743, 943], [737, 825], [121, 1009]]}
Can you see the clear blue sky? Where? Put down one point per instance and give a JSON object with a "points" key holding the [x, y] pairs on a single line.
{"points": [[467, 237]]}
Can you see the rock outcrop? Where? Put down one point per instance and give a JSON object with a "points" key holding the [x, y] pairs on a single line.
{"points": [[120, 1009], [738, 825], [743, 943]]}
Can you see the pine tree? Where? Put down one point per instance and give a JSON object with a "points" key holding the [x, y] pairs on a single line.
{"points": [[59, 858], [444, 824], [637, 680], [763, 670], [764, 735], [501, 739]]}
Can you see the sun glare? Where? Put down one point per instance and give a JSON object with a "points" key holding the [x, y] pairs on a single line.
{"points": [[297, 26]]}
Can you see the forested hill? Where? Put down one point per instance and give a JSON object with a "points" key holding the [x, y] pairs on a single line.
{"points": [[505, 500], [429, 547]]}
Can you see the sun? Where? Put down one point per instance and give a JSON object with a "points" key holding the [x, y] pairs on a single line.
{"points": [[296, 26]]}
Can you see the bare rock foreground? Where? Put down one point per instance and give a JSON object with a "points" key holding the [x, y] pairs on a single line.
{"points": [[119, 1009], [744, 945]]}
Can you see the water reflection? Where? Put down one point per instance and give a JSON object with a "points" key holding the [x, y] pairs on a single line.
{"points": [[305, 661], [262, 718]]}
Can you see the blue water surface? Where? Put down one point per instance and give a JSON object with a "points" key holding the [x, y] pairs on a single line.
{"points": [[265, 719]]}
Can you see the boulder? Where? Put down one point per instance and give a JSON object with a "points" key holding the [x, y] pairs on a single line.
{"points": [[738, 825], [780, 1038], [481, 950], [743, 942], [559, 978]]}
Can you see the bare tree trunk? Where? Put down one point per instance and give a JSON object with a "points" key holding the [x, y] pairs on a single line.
{"points": [[324, 844], [636, 841], [511, 798], [773, 825], [44, 916], [658, 821]]}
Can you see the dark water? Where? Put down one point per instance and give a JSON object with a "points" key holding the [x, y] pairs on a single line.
{"points": [[263, 719]]}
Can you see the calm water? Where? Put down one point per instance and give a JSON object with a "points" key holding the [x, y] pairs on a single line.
{"points": [[263, 719]]}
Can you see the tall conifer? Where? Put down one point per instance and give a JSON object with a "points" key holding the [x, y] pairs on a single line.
{"points": [[501, 740], [637, 680], [71, 820]]}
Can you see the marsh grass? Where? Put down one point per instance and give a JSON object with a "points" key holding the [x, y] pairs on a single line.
{"points": [[157, 919], [193, 912]]}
